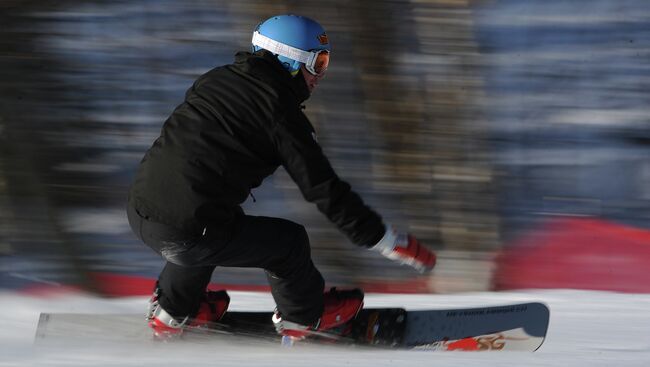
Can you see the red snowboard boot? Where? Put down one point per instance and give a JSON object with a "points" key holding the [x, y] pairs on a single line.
{"points": [[339, 308], [164, 325]]}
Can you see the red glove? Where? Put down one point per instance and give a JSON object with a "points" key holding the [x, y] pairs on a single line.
{"points": [[406, 249]]}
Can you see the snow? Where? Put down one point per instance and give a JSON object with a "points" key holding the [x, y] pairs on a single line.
{"points": [[586, 329]]}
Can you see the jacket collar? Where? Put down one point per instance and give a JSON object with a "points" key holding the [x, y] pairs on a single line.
{"points": [[266, 67]]}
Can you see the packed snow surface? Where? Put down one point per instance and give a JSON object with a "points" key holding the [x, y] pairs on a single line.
{"points": [[586, 329]]}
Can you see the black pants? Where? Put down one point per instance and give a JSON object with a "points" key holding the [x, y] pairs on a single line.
{"points": [[278, 246]]}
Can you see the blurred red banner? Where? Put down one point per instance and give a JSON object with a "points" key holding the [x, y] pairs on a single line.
{"points": [[577, 253]]}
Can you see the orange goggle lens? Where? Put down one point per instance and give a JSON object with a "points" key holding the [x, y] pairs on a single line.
{"points": [[319, 63]]}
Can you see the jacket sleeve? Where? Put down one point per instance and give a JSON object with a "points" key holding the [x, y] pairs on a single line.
{"points": [[307, 165]]}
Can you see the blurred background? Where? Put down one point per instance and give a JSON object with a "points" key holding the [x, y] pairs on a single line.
{"points": [[512, 136]]}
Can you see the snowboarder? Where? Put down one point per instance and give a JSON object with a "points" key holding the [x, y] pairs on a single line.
{"points": [[237, 125]]}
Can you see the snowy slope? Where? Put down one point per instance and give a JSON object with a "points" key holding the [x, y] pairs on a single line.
{"points": [[587, 329]]}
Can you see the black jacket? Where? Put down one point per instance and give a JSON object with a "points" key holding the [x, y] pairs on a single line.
{"points": [[238, 124]]}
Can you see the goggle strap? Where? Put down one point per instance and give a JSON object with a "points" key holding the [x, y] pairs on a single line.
{"points": [[282, 49]]}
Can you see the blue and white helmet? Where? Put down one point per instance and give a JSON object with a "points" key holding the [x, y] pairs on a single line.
{"points": [[296, 40]]}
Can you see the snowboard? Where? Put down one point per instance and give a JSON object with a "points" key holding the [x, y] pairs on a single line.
{"points": [[520, 327]]}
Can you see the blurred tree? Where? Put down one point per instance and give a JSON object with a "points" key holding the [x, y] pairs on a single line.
{"points": [[420, 69], [30, 218]]}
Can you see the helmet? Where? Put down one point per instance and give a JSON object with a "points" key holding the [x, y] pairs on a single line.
{"points": [[295, 40]]}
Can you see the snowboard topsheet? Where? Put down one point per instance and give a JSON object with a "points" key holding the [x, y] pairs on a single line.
{"points": [[519, 327]]}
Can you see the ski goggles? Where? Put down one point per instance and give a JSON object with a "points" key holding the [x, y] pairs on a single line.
{"points": [[316, 61]]}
